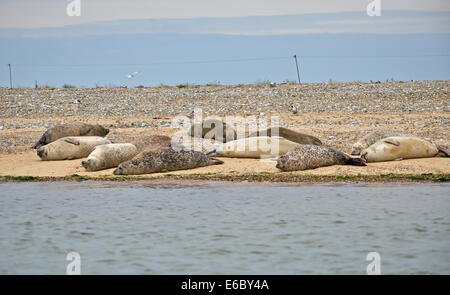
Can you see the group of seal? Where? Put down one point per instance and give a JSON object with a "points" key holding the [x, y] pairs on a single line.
{"points": [[71, 129], [373, 137], [146, 154], [390, 145], [71, 147], [70, 141], [401, 147], [159, 153]]}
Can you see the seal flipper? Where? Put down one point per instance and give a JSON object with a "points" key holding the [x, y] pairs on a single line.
{"points": [[392, 141], [211, 153], [40, 142], [37, 145], [355, 161], [443, 151], [214, 161], [72, 140]]}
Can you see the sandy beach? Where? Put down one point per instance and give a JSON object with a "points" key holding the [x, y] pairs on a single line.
{"points": [[337, 113]]}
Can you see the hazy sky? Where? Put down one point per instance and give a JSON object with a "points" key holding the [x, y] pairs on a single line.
{"points": [[52, 13], [231, 41]]}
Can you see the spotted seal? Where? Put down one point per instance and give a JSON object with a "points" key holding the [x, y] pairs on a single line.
{"points": [[307, 156], [401, 147], [109, 155], [167, 159], [70, 129], [72, 147]]}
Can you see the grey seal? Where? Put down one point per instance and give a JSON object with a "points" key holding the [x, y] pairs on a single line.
{"points": [[290, 135], [307, 156], [70, 129], [167, 159]]}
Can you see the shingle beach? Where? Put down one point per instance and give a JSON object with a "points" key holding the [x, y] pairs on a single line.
{"points": [[337, 113]]}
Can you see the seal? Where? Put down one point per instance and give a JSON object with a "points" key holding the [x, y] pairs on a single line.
{"points": [[167, 159], [213, 129], [109, 155], [155, 142], [373, 137], [185, 142], [68, 148], [307, 156], [255, 147], [70, 129], [401, 147], [291, 135]]}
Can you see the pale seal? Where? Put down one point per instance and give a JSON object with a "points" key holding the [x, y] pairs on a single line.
{"points": [[255, 147], [165, 160], [307, 156], [70, 129], [401, 147], [68, 148], [291, 135], [213, 129], [373, 137], [109, 155]]}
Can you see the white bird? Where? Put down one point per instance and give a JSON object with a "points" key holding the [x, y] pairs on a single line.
{"points": [[294, 109], [191, 115], [129, 76]]}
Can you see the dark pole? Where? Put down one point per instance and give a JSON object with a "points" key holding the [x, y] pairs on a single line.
{"points": [[296, 63], [10, 79]]}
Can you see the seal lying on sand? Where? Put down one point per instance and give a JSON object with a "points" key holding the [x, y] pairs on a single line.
{"points": [[289, 135], [165, 160], [156, 142], [70, 129], [255, 147], [373, 137], [401, 147], [185, 142], [68, 148], [208, 129], [109, 155], [307, 156]]}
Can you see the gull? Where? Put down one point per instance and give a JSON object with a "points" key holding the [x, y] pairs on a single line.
{"points": [[294, 109], [129, 76], [191, 115]]}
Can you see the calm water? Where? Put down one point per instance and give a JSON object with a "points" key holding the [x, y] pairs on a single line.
{"points": [[221, 228]]}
